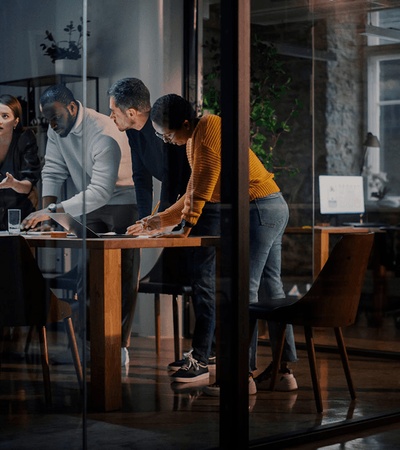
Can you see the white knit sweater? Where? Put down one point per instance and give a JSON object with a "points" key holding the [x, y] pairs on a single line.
{"points": [[108, 165]]}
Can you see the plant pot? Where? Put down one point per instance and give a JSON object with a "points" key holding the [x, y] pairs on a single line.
{"points": [[68, 66]]}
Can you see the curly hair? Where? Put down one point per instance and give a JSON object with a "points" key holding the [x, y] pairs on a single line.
{"points": [[170, 111], [57, 93]]}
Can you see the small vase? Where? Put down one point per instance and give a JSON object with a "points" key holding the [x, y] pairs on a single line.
{"points": [[68, 66]]}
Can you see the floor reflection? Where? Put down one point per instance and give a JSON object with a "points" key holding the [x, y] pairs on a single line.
{"points": [[157, 414]]}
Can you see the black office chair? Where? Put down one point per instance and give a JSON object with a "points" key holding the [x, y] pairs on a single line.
{"points": [[331, 302], [25, 300], [65, 286], [168, 276]]}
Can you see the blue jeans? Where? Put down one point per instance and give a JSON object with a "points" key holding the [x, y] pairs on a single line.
{"points": [[201, 265], [268, 219]]}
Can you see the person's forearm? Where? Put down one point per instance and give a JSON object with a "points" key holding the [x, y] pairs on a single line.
{"points": [[22, 187], [51, 199]]}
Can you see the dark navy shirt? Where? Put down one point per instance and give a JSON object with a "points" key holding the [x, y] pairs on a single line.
{"points": [[151, 157]]}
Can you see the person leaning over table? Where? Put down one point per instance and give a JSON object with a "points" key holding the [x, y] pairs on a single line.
{"points": [[19, 162], [107, 195], [198, 214], [151, 157], [130, 110]]}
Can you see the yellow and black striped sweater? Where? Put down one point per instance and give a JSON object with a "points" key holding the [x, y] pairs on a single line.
{"points": [[204, 154]]}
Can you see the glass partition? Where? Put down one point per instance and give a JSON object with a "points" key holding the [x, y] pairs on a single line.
{"points": [[43, 373], [323, 101]]}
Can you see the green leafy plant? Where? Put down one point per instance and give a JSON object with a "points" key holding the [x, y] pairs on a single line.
{"points": [[69, 48], [270, 86]]}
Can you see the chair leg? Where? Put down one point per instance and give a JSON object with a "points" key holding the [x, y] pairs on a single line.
{"points": [[345, 361], [313, 367], [277, 357], [177, 338], [44, 354], [69, 328], [186, 315], [1, 343], [29, 339], [157, 318]]}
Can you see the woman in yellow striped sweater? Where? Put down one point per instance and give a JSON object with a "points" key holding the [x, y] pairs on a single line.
{"points": [[197, 213]]}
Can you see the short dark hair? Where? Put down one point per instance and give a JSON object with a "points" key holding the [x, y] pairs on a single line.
{"points": [[130, 93], [57, 93], [170, 111]]}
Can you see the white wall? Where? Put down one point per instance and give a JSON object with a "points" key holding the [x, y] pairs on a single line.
{"points": [[139, 38]]}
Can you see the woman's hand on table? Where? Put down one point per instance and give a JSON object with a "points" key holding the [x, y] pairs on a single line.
{"points": [[147, 225], [178, 232]]}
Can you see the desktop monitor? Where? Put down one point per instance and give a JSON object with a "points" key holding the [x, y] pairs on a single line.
{"points": [[341, 194]]}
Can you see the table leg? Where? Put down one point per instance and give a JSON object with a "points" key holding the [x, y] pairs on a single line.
{"points": [[105, 329], [379, 297], [321, 250]]}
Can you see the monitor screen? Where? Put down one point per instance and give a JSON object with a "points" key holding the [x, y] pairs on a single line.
{"points": [[341, 194]]}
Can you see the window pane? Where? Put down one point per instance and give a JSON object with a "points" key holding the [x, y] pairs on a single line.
{"points": [[390, 143], [389, 82]]}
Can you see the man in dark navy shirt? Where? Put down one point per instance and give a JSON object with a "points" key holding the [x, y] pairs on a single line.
{"points": [[151, 157]]}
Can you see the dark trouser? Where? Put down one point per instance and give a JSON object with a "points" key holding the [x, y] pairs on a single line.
{"points": [[201, 264], [117, 218]]}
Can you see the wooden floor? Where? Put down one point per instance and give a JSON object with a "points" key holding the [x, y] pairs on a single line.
{"points": [[158, 415]]}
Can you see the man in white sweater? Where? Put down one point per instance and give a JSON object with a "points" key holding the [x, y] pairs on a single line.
{"points": [[81, 140]]}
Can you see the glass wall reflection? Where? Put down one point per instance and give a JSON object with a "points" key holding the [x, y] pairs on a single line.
{"points": [[326, 73]]}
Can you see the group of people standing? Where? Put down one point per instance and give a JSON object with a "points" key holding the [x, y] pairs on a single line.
{"points": [[166, 141]]}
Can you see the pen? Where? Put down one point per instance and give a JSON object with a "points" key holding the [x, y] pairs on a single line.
{"points": [[155, 208]]}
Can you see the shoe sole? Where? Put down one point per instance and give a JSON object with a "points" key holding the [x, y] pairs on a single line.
{"points": [[203, 376], [182, 388]]}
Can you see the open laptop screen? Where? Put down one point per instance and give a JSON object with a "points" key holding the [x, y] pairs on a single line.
{"points": [[73, 225], [341, 194]]}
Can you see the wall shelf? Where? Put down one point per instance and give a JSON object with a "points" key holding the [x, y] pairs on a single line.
{"points": [[30, 84]]}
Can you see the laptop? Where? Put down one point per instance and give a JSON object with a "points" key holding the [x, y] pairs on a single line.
{"points": [[76, 227]]}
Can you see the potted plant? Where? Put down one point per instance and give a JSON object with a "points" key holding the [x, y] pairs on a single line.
{"points": [[67, 49]]}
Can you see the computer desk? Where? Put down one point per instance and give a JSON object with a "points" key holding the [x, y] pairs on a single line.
{"points": [[105, 304], [322, 236]]}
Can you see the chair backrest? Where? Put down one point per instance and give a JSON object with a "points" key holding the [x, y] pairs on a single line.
{"points": [[24, 298], [333, 298]]}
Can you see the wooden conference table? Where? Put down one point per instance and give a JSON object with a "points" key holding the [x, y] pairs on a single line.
{"points": [[105, 304]]}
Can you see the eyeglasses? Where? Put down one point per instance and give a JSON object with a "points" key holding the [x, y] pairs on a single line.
{"points": [[166, 137]]}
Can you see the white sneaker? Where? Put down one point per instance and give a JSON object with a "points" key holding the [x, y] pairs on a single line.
{"points": [[252, 385], [124, 357], [286, 383], [213, 390]]}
